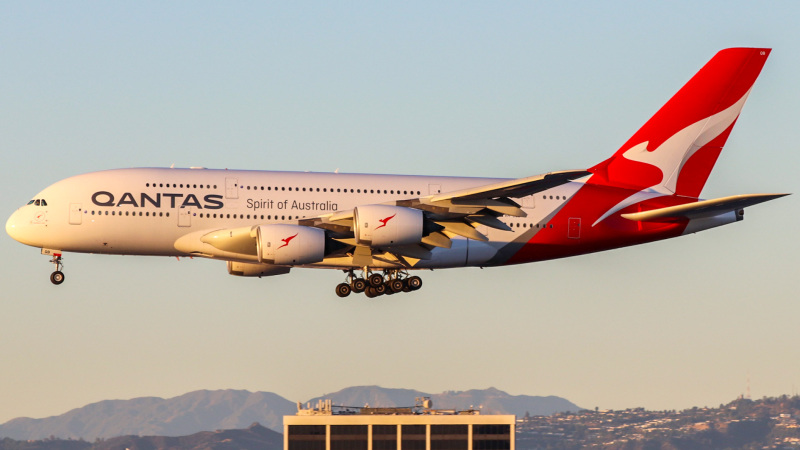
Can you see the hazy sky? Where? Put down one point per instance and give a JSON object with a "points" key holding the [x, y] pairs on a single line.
{"points": [[500, 89]]}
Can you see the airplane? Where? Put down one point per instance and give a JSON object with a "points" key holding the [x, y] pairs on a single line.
{"points": [[378, 229]]}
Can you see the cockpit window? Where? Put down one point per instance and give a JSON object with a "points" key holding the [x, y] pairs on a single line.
{"points": [[31, 202], [44, 203], [37, 203]]}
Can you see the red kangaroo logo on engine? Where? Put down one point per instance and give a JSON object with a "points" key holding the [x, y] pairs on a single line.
{"points": [[287, 240], [383, 221]]}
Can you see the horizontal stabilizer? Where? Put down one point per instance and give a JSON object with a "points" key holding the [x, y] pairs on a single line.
{"points": [[701, 209]]}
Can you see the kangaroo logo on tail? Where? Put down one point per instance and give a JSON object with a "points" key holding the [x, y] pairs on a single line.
{"points": [[675, 151]]}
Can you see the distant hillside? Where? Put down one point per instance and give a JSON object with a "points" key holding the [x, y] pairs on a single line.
{"points": [[490, 401], [232, 409], [153, 416], [255, 436]]}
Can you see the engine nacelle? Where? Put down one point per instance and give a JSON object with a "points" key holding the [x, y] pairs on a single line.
{"points": [[240, 269], [384, 225], [290, 244]]}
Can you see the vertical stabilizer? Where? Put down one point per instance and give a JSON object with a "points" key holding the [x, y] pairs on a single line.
{"points": [[675, 151]]}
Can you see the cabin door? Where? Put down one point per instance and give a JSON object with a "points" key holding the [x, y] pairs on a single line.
{"points": [[231, 188], [75, 214], [184, 217]]}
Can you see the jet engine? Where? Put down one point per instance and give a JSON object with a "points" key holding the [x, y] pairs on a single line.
{"points": [[240, 269], [290, 244], [385, 225]]}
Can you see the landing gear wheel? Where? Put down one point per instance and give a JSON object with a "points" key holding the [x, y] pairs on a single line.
{"points": [[396, 285], [405, 286], [370, 292], [57, 277], [376, 280], [358, 285], [380, 289], [414, 283], [343, 290]]}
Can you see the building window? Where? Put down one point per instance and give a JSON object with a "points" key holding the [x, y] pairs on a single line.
{"points": [[306, 437], [449, 437], [491, 437], [412, 437], [349, 437], [384, 437]]}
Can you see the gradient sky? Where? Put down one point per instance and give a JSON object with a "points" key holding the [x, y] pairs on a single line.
{"points": [[500, 89]]}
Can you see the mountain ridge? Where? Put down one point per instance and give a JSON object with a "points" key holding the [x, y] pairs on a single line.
{"points": [[205, 410]]}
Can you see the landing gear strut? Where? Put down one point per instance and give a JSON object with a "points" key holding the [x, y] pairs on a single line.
{"points": [[57, 277], [374, 284]]}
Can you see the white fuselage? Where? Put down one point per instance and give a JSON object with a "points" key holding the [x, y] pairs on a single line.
{"points": [[145, 211]]}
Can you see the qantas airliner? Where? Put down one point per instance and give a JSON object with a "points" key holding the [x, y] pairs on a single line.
{"points": [[377, 229]]}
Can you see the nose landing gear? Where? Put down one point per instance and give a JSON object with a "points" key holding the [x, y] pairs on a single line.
{"points": [[57, 277], [373, 284]]}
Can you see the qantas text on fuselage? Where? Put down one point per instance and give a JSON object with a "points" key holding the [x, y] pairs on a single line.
{"points": [[378, 229]]}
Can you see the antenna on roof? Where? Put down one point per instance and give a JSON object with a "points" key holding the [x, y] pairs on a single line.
{"points": [[172, 166]]}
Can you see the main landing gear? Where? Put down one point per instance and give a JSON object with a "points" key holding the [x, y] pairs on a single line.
{"points": [[373, 284], [57, 277]]}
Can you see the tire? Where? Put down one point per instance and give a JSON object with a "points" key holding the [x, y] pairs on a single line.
{"points": [[414, 283], [396, 285], [380, 290], [57, 277], [343, 290], [359, 285], [375, 280], [370, 292], [405, 286]]}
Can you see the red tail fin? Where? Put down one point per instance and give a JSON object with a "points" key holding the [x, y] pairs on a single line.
{"points": [[674, 152]]}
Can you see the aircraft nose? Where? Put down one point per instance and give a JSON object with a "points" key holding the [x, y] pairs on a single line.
{"points": [[13, 226], [18, 229]]}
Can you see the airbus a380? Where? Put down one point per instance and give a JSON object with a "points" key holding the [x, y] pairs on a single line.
{"points": [[379, 228]]}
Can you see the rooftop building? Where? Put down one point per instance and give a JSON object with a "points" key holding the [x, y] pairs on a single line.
{"points": [[336, 427]]}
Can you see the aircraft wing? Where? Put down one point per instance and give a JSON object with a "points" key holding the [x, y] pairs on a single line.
{"points": [[701, 209], [521, 187], [447, 215], [444, 216]]}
